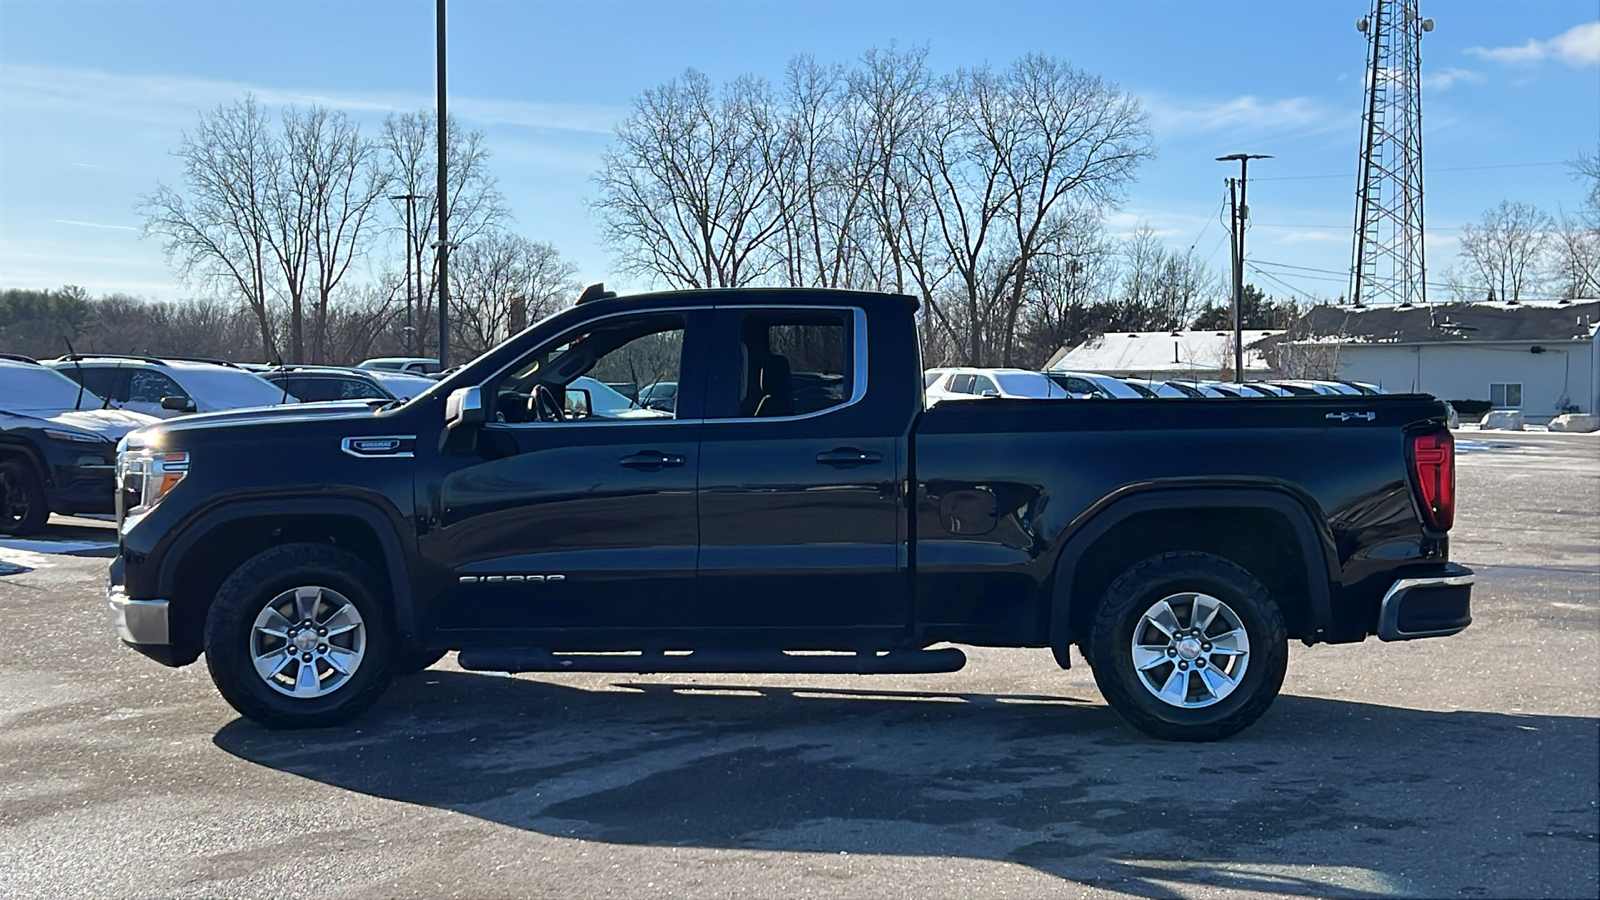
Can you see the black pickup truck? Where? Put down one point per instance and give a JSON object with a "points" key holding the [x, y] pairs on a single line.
{"points": [[796, 510]]}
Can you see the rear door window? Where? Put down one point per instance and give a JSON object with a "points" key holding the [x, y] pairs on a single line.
{"points": [[796, 362]]}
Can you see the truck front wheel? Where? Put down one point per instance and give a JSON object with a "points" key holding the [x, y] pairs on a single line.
{"points": [[1188, 647], [296, 638]]}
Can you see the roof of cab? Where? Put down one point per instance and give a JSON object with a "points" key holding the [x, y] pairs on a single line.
{"points": [[788, 296]]}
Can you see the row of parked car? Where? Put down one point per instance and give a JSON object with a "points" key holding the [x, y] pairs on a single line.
{"points": [[61, 419], [968, 383]]}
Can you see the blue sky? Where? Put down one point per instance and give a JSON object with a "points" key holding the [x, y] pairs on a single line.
{"points": [[95, 95]]}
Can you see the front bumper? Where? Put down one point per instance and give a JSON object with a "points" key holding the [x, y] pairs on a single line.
{"points": [[1432, 606], [138, 621]]}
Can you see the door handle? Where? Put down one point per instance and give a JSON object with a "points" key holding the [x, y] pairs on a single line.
{"points": [[849, 458], [652, 459]]}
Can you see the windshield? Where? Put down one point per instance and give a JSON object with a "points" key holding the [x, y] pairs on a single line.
{"points": [[36, 387], [227, 388], [404, 387], [1114, 387], [1028, 384]]}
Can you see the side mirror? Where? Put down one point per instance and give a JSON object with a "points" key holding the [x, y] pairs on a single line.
{"points": [[579, 405], [178, 404], [991, 393], [464, 406]]}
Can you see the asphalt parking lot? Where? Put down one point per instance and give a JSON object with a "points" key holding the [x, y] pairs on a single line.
{"points": [[1468, 766]]}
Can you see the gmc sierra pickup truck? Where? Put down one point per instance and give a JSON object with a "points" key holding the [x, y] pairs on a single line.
{"points": [[798, 509]]}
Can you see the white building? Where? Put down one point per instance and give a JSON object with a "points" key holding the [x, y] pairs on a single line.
{"points": [[1541, 358], [1166, 355]]}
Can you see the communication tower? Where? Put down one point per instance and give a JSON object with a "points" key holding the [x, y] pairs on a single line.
{"points": [[1388, 261]]}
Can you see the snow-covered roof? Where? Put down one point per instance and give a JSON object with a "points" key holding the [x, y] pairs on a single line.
{"points": [[1161, 351]]}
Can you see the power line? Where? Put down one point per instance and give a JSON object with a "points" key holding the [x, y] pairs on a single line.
{"points": [[1430, 169]]}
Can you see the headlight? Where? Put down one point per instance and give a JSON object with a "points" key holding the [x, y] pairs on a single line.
{"points": [[147, 474], [80, 437]]}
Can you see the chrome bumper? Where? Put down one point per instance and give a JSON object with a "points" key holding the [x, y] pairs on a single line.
{"points": [[1437, 606], [137, 621]]}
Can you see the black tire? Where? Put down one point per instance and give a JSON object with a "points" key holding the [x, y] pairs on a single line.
{"points": [[1140, 589], [411, 660], [24, 506], [263, 579]]}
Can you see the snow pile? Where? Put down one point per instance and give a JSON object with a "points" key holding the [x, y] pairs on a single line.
{"points": [[1503, 420], [1575, 422]]}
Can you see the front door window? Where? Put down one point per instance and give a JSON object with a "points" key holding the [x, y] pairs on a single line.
{"points": [[597, 375]]}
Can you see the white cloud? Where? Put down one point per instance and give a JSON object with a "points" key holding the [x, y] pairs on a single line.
{"points": [[177, 100], [1450, 76], [1577, 46], [96, 225], [1241, 115]]}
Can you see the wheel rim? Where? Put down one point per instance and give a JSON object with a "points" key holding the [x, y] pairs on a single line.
{"points": [[1190, 650], [308, 641]]}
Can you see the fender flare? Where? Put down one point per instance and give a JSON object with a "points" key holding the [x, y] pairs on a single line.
{"points": [[1311, 532], [385, 526]]}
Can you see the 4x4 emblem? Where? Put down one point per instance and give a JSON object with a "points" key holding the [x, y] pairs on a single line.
{"points": [[1347, 416]]}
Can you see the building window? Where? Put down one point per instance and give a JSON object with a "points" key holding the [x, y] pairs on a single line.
{"points": [[1505, 396]]}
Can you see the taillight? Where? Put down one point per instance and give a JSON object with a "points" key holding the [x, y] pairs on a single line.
{"points": [[1433, 461]]}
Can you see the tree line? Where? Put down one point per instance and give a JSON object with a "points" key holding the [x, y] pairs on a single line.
{"points": [[984, 192]]}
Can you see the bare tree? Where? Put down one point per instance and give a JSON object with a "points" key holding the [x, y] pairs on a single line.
{"points": [[1074, 271], [344, 183], [1063, 137], [1575, 266], [217, 233], [689, 194], [271, 216], [1503, 251], [502, 282], [409, 146], [1574, 251]]}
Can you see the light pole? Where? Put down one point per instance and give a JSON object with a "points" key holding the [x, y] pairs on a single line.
{"points": [[1241, 211], [411, 329], [443, 245], [441, 249]]}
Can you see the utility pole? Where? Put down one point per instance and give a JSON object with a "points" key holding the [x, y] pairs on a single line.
{"points": [[411, 328], [1241, 212], [443, 245]]}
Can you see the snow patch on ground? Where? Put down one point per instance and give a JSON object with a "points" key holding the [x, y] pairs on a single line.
{"points": [[36, 546]]}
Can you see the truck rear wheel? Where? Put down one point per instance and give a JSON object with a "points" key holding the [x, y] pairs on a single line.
{"points": [[297, 639], [24, 508], [1188, 647]]}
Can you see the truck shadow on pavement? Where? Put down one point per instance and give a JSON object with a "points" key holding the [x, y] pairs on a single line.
{"points": [[1321, 798]]}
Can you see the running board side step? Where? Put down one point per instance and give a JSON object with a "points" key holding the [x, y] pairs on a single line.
{"points": [[893, 662]]}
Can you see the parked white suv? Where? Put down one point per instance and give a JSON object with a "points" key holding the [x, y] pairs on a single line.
{"points": [[169, 387], [966, 383]]}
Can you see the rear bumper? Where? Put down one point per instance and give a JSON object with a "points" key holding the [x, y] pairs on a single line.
{"points": [[1433, 606]]}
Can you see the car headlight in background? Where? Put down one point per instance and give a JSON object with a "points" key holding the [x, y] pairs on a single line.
{"points": [[145, 475], [78, 437]]}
